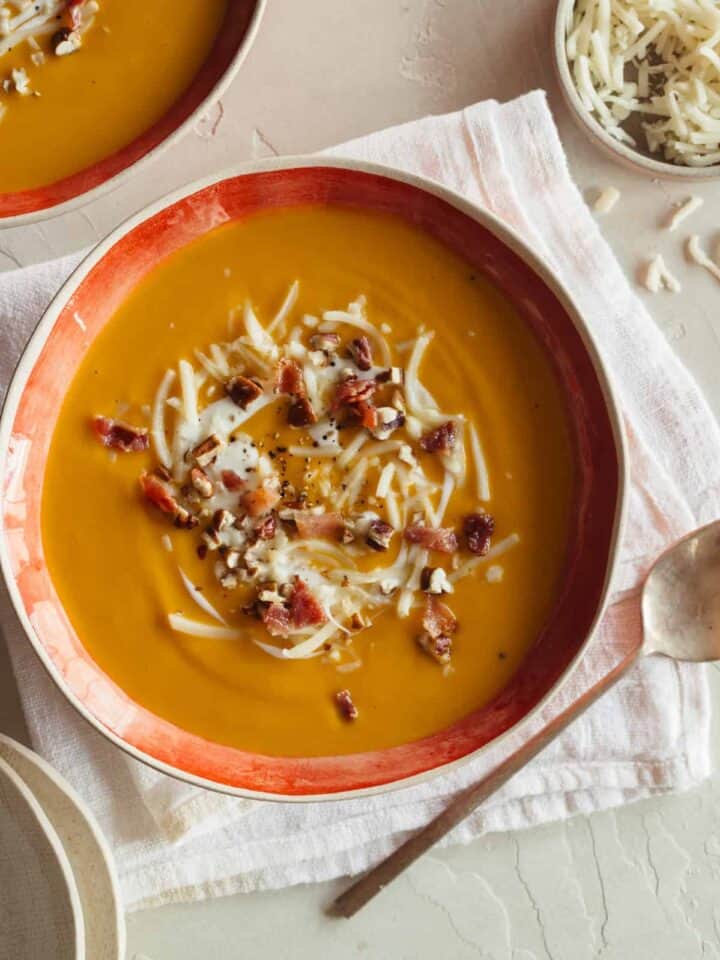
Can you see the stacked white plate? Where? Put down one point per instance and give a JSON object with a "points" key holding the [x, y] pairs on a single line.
{"points": [[58, 891]]}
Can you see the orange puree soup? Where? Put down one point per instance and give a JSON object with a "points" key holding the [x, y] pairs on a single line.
{"points": [[115, 556], [135, 61]]}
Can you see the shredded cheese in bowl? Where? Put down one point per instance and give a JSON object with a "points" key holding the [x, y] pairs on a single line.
{"points": [[315, 538], [651, 70]]}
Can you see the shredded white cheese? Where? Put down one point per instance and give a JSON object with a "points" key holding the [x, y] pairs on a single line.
{"points": [[682, 212], [606, 200], [655, 276], [654, 61], [696, 253]]}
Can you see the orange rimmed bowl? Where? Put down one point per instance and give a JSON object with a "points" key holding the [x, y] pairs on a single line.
{"points": [[106, 278], [231, 46]]}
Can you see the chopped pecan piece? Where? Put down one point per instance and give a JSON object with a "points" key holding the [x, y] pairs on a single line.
{"points": [[352, 392], [260, 501], [267, 527], [323, 525], [242, 390], [478, 529], [344, 702], [361, 352], [231, 480], [394, 375], [204, 453], [65, 41], [388, 420], [201, 482], [358, 622], [222, 519], [379, 535], [441, 439], [324, 341], [229, 580], [435, 580], [301, 413], [120, 436], [442, 539], [162, 496], [439, 648]]}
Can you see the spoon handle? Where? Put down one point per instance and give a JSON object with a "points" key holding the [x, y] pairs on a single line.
{"points": [[369, 885]]}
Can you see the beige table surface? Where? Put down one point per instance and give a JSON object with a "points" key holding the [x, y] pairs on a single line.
{"points": [[641, 882]]}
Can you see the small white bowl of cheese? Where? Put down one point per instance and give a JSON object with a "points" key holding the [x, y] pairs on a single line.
{"points": [[644, 81]]}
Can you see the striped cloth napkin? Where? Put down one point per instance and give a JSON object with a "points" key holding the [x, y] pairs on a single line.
{"points": [[650, 735]]}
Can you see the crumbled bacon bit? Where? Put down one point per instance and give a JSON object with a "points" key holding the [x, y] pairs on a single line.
{"points": [[201, 482], [367, 414], [242, 390], [478, 528], [379, 535], [276, 618], [119, 435], [232, 481], [441, 439], [163, 473], [305, 608], [344, 702], [439, 648], [260, 501], [267, 527], [311, 525], [300, 609], [442, 539], [206, 451], [289, 379], [162, 496], [72, 15], [438, 619], [361, 352], [301, 413]]}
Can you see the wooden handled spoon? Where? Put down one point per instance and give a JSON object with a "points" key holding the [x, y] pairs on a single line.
{"points": [[681, 619]]}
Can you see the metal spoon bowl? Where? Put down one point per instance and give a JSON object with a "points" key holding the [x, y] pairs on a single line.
{"points": [[681, 619]]}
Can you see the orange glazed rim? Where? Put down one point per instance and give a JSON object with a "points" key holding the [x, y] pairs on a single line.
{"points": [[92, 294], [232, 44]]}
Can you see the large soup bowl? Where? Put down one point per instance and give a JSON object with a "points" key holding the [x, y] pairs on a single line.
{"points": [[105, 279], [230, 48]]}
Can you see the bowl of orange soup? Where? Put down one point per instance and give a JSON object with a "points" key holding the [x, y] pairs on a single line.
{"points": [[312, 480], [90, 88]]}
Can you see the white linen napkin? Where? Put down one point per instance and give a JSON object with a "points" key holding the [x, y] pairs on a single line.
{"points": [[650, 735]]}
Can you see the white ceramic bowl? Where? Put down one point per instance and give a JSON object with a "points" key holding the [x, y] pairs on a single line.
{"points": [[111, 272], [640, 161]]}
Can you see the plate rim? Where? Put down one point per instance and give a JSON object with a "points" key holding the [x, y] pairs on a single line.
{"points": [[46, 828]]}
